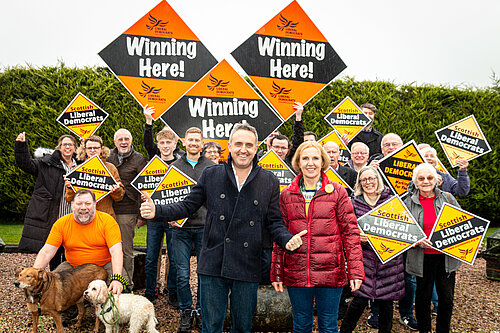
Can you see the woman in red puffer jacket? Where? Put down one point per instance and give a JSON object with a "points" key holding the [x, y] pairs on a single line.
{"points": [[317, 270]]}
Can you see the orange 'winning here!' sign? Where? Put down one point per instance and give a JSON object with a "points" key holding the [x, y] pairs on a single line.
{"points": [[289, 59], [158, 58]]}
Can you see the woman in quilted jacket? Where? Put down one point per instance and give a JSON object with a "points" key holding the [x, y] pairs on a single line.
{"points": [[317, 270], [383, 282]]}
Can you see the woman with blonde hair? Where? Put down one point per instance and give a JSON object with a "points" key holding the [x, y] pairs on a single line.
{"points": [[317, 270]]}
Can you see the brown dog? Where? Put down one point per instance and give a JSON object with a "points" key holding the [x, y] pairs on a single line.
{"points": [[52, 293]]}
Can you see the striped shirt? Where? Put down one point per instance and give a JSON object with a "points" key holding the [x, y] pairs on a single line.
{"points": [[64, 206]]}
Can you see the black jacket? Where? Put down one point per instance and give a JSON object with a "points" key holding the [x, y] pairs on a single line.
{"points": [[372, 139], [232, 238], [348, 175], [197, 220], [43, 208]]}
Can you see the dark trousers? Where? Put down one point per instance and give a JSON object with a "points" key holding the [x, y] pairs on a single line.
{"points": [[434, 272], [356, 308]]}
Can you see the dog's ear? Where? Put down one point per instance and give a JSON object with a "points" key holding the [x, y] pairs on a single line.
{"points": [[19, 270], [103, 293]]}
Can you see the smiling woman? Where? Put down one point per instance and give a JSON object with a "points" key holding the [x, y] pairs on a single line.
{"points": [[315, 272]]}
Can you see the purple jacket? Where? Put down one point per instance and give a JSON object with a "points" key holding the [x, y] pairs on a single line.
{"points": [[382, 281]]}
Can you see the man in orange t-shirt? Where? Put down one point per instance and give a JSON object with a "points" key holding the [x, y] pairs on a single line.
{"points": [[88, 236]]}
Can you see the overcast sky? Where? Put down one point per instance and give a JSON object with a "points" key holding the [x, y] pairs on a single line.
{"points": [[441, 42]]}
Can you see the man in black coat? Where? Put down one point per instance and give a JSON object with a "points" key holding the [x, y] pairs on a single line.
{"points": [[347, 174], [241, 199], [369, 135]]}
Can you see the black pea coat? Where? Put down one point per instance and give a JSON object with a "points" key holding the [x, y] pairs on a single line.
{"points": [[232, 238]]}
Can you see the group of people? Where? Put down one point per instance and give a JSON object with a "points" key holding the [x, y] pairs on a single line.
{"points": [[244, 232]]}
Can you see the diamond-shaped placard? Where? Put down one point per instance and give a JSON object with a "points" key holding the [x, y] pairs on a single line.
{"points": [[218, 101], [347, 118], [397, 167], [289, 60], [82, 116], [150, 176], [345, 153], [158, 58], [92, 175], [458, 233], [335, 177], [272, 162], [463, 139], [174, 187], [390, 229]]}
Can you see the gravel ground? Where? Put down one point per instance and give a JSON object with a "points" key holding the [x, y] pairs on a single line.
{"points": [[477, 303]]}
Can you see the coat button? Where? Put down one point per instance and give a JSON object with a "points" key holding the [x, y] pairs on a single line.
{"points": [[222, 217], [222, 196], [228, 240], [255, 202], [252, 223], [245, 244]]}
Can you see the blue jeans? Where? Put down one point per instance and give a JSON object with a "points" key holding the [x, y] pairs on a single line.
{"points": [[183, 240], [214, 292], [406, 303], [154, 239], [327, 304]]}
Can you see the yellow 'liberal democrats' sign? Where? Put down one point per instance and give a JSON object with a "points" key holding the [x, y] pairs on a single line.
{"points": [[150, 176], [347, 118], [174, 187], [390, 229], [458, 233], [272, 162], [82, 116], [463, 140], [335, 177], [92, 175], [398, 166]]}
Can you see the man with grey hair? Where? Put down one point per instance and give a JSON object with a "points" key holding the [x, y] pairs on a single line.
{"points": [[241, 199], [359, 156], [347, 174], [129, 163]]}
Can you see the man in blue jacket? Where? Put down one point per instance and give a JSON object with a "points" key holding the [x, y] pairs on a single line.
{"points": [[241, 199]]}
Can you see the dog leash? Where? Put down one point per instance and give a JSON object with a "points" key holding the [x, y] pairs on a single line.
{"points": [[113, 308], [40, 318]]}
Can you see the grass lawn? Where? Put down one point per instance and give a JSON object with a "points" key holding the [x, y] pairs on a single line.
{"points": [[11, 234]]}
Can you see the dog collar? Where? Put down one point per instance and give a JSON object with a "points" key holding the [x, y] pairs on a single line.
{"points": [[105, 311]]}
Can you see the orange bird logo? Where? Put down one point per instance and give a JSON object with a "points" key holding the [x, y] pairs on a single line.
{"points": [[279, 91], [384, 249], [286, 23], [464, 253], [153, 23], [409, 154], [216, 83], [146, 90]]}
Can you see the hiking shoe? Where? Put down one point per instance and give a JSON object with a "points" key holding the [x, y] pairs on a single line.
{"points": [[372, 320], [197, 320], [409, 322], [172, 300], [186, 321], [151, 298], [434, 311]]}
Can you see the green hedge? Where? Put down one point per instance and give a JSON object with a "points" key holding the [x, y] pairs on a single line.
{"points": [[31, 99]]}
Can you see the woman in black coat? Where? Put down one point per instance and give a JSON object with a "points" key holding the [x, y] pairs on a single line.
{"points": [[47, 203]]}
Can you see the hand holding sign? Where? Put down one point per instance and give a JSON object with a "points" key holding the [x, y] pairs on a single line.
{"points": [[462, 164], [21, 137], [148, 113], [295, 242], [148, 209], [424, 243]]}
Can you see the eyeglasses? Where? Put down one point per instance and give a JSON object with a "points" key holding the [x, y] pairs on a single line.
{"points": [[429, 178], [392, 144], [367, 180], [216, 152], [359, 153], [67, 145], [92, 148]]}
